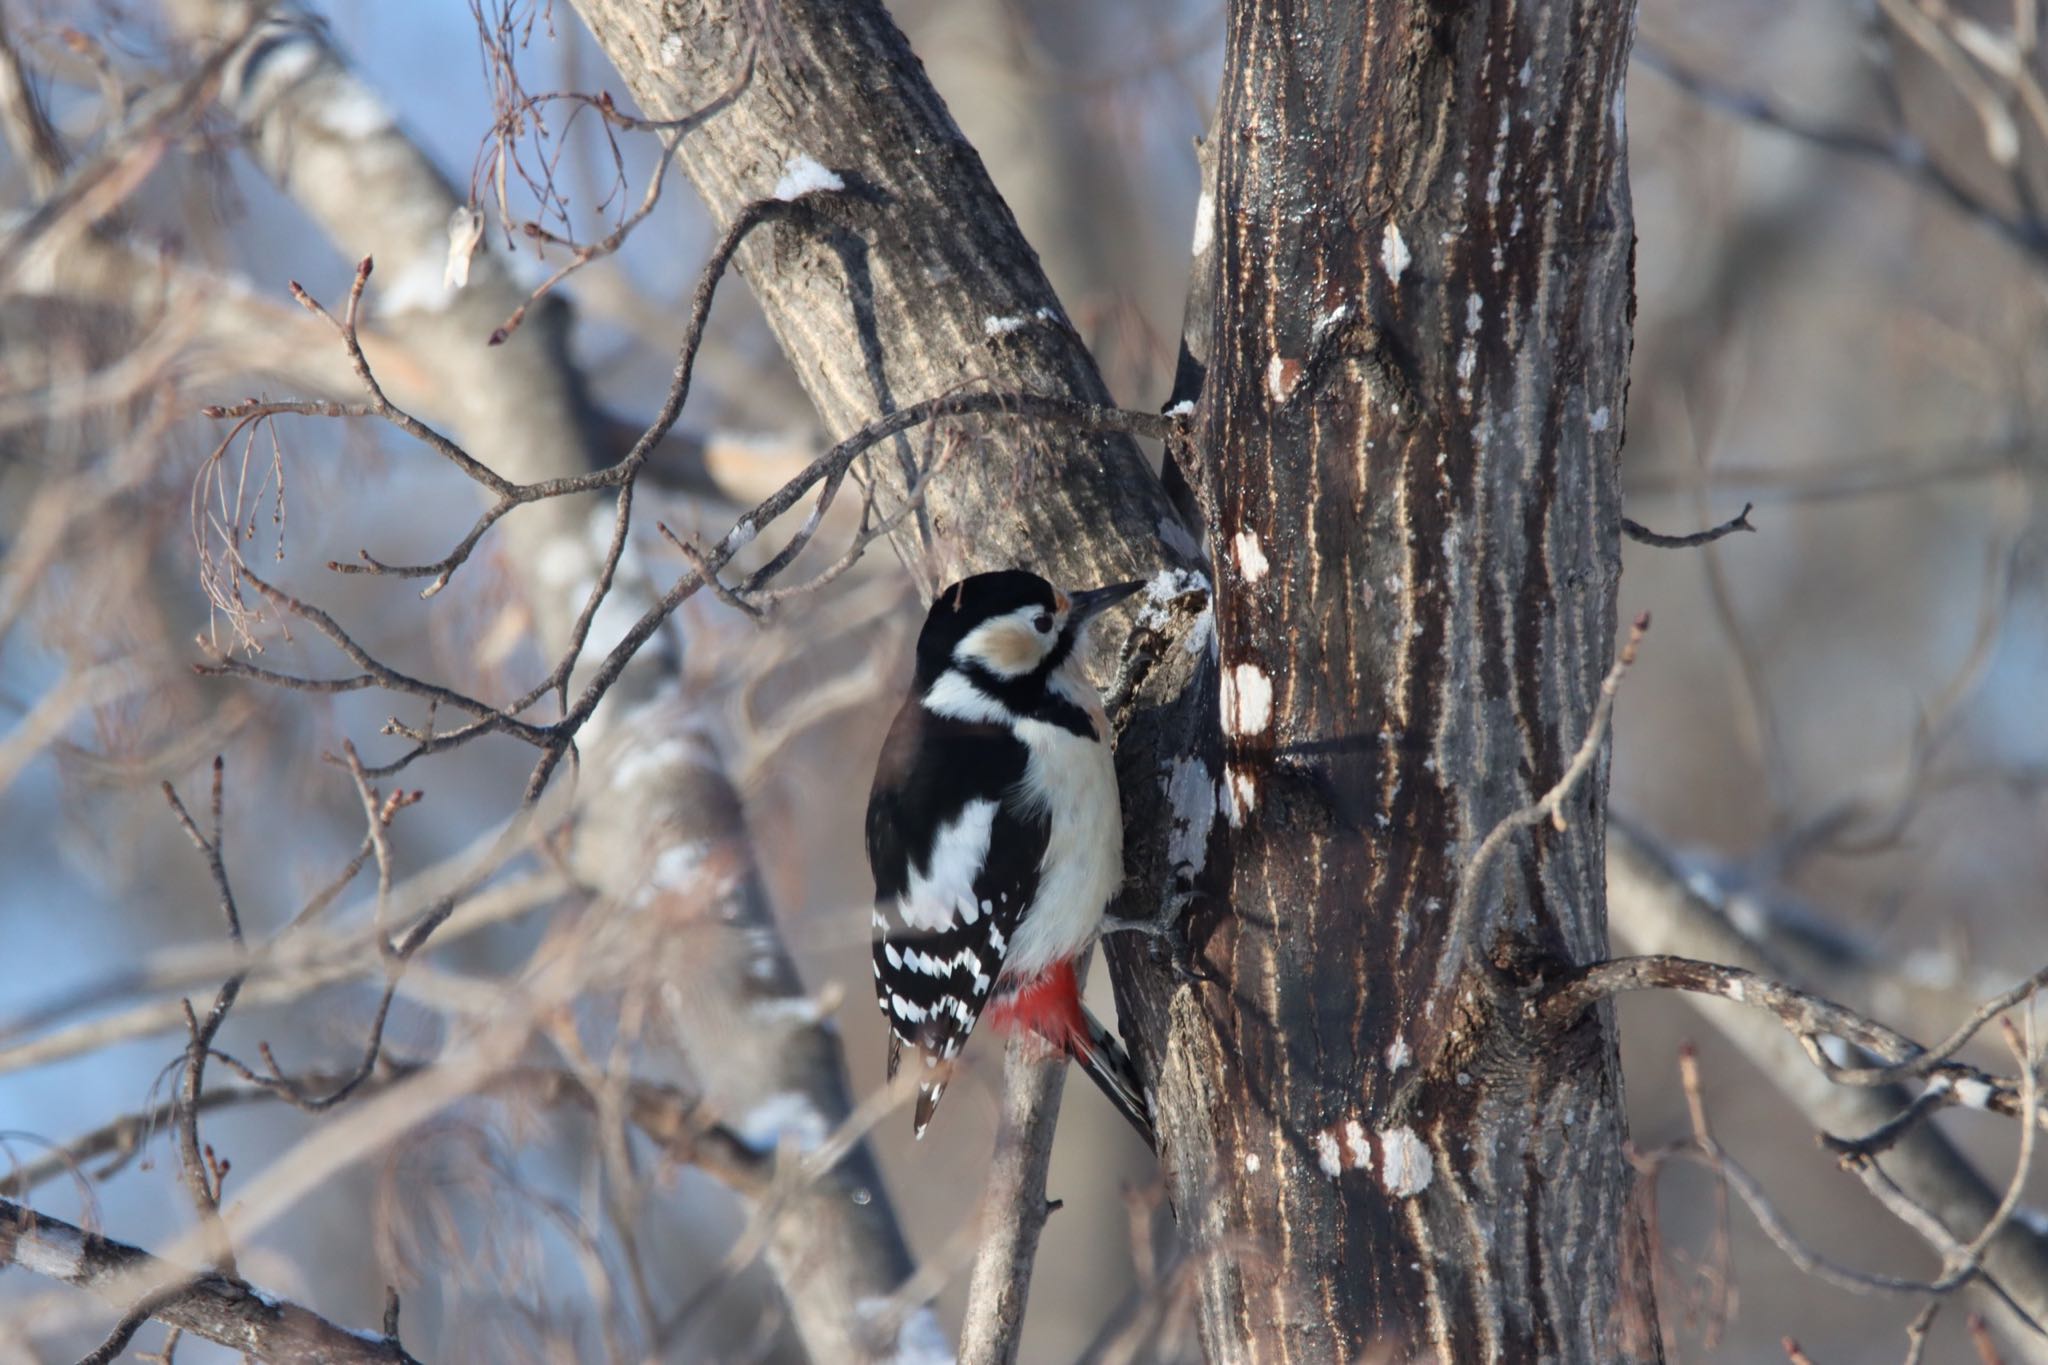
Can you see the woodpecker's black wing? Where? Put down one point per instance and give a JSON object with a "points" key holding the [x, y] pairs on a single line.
{"points": [[955, 855]]}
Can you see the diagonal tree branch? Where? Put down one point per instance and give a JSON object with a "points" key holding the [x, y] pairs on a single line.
{"points": [[220, 1308]]}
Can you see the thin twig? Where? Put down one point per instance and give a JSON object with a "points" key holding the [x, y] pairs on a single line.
{"points": [[1643, 535], [1460, 936]]}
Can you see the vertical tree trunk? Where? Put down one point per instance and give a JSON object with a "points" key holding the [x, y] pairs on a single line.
{"points": [[1411, 421], [1421, 287]]}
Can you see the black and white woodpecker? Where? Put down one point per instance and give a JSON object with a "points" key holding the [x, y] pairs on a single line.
{"points": [[995, 835]]}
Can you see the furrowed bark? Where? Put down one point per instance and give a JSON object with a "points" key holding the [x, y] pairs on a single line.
{"points": [[1465, 607], [1411, 420], [916, 283]]}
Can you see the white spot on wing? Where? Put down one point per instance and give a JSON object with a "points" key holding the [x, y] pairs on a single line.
{"points": [[935, 894]]}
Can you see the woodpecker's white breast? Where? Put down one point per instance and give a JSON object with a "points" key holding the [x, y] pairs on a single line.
{"points": [[1074, 780]]}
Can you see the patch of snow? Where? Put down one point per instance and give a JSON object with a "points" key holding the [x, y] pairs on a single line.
{"points": [[1247, 700], [465, 235], [1600, 420], [1191, 795], [54, 1253], [1184, 408], [919, 1341], [678, 866], [802, 175], [1972, 1093], [670, 752], [1406, 1165], [1205, 222], [922, 1341], [1237, 797], [794, 1009], [1935, 967], [1280, 377], [1748, 916], [354, 111], [1328, 1156], [1251, 556], [1357, 1144], [1394, 252], [1398, 1054], [740, 536], [418, 286]]}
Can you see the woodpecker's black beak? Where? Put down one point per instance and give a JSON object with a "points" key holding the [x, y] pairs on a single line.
{"points": [[1082, 605]]}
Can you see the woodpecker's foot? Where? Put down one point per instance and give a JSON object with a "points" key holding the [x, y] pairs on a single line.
{"points": [[1168, 945]]}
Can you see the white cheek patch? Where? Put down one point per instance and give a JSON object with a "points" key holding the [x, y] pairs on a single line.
{"points": [[1009, 646], [937, 895]]}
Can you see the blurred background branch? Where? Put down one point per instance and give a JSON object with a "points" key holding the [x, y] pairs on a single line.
{"points": [[596, 1119]]}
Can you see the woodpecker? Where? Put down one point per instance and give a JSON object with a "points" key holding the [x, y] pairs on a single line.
{"points": [[995, 835]]}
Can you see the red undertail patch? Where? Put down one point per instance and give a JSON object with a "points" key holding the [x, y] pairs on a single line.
{"points": [[1048, 1005]]}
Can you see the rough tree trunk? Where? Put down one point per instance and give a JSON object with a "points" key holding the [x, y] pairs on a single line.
{"points": [[1411, 422], [1428, 593]]}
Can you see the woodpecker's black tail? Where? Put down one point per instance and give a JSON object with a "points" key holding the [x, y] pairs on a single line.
{"points": [[1116, 1075]]}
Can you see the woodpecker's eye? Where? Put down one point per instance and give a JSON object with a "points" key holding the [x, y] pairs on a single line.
{"points": [[1044, 623]]}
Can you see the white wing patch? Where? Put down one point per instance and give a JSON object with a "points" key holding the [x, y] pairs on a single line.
{"points": [[943, 892]]}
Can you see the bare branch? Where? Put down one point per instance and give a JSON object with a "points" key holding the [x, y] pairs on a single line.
{"points": [[219, 1307], [1658, 905], [1643, 535], [1014, 1208]]}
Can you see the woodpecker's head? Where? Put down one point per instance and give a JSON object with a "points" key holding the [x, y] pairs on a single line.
{"points": [[1009, 627]]}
